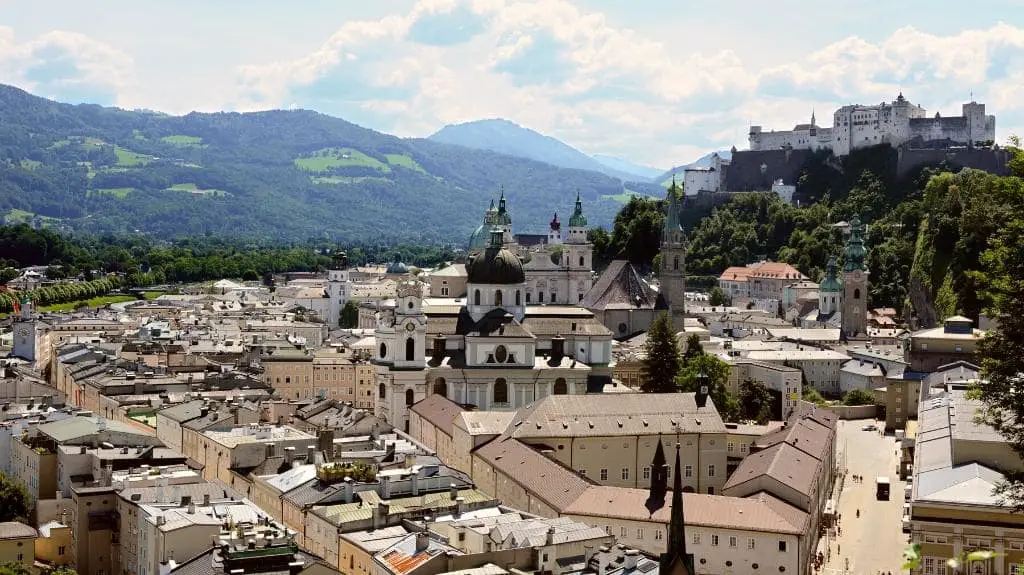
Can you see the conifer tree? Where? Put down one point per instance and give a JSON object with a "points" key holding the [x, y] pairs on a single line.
{"points": [[662, 362]]}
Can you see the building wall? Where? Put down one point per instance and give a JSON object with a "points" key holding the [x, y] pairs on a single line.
{"points": [[55, 549], [354, 560], [92, 548], [365, 385], [267, 498], [700, 179], [291, 379], [500, 486], [36, 470], [944, 531], [169, 432], [18, 551], [334, 377]]}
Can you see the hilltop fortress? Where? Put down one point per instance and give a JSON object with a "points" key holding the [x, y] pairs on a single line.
{"points": [[775, 160], [897, 124]]}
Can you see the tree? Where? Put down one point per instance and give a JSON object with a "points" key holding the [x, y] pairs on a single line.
{"points": [[14, 568], [858, 397], [717, 297], [693, 347], [1002, 362], [662, 362], [812, 395], [14, 500], [715, 373], [349, 315], [756, 401]]}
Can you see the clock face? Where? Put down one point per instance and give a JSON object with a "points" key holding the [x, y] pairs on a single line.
{"points": [[410, 327]]}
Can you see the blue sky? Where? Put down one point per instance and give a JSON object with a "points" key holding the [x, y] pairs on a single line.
{"points": [[658, 82]]}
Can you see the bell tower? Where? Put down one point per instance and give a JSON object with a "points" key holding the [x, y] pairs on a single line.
{"points": [[25, 331], [855, 284], [672, 275]]}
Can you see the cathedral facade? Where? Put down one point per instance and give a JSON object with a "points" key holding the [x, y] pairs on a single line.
{"points": [[558, 270], [494, 350]]}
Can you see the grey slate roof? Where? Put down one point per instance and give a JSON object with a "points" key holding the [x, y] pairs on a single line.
{"points": [[620, 287]]}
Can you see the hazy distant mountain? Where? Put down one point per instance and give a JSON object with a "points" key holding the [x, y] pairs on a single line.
{"points": [[702, 162], [507, 137], [278, 174], [636, 170]]}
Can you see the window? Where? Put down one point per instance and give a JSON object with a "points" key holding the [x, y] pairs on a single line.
{"points": [[625, 473], [518, 298], [540, 297], [383, 351], [476, 297], [659, 534], [729, 447], [711, 470], [500, 390], [501, 354], [583, 472], [581, 261], [714, 540], [743, 448], [711, 490], [381, 391], [554, 297], [444, 290], [560, 386], [924, 346], [688, 471], [675, 263], [856, 293], [640, 533], [61, 550], [497, 298], [410, 397], [647, 472], [410, 349], [751, 543], [440, 387], [604, 475], [1016, 568], [696, 539], [623, 531], [782, 546], [930, 564], [732, 542]]}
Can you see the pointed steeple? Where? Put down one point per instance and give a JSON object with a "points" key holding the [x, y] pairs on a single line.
{"points": [[675, 560], [855, 253], [578, 220], [813, 121], [673, 230], [504, 218]]}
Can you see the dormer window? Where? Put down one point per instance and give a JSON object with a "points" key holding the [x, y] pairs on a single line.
{"points": [[501, 354]]}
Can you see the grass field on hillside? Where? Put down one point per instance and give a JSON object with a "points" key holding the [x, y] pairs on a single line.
{"points": [[328, 158], [30, 164], [622, 198], [184, 141], [404, 161], [128, 158], [119, 193], [338, 180], [194, 189]]}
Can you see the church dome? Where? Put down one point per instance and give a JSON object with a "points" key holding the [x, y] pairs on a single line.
{"points": [[397, 268], [496, 265], [479, 238]]}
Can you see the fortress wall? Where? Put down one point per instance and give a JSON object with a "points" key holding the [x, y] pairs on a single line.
{"points": [[991, 161], [952, 129], [744, 173]]}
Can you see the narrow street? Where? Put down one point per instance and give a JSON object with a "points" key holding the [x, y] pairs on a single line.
{"points": [[874, 542]]}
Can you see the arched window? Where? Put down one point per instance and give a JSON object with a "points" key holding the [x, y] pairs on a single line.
{"points": [[675, 263], [500, 390], [519, 300], [560, 387], [476, 297], [383, 351], [410, 397], [440, 387], [856, 293], [410, 349], [581, 261], [380, 391], [497, 298]]}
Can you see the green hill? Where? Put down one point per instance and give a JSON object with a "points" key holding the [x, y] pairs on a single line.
{"points": [[283, 175]]}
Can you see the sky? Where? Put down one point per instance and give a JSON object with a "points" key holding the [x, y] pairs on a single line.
{"points": [[656, 82]]}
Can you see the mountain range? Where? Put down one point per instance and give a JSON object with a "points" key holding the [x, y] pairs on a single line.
{"points": [[275, 175], [506, 137]]}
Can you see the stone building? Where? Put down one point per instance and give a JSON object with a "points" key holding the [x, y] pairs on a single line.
{"points": [[494, 350], [896, 123]]}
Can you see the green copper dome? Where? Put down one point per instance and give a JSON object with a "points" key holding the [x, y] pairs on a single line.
{"points": [[495, 265], [831, 283], [578, 220], [855, 253], [479, 238]]}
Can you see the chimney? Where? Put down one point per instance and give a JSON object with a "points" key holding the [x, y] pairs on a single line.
{"points": [[551, 536], [557, 348], [460, 504], [588, 553], [348, 490], [602, 561], [453, 491], [325, 443], [414, 480], [422, 541], [271, 450], [440, 347], [289, 454], [83, 449], [204, 411], [385, 486], [632, 556], [191, 508], [380, 514], [206, 500], [160, 520]]}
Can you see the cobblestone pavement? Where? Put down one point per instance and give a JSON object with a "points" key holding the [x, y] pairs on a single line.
{"points": [[874, 542]]}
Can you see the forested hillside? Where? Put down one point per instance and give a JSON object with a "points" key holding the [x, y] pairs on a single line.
{"points": [[284, 175]]}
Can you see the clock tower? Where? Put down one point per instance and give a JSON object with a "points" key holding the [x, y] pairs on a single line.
{"points": [[25, 331], [855, 284], [401, 355]]}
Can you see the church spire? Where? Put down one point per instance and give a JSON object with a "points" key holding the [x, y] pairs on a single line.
{"points": [[672, 229], [675, 560], [813, 121], [578, 220]]}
